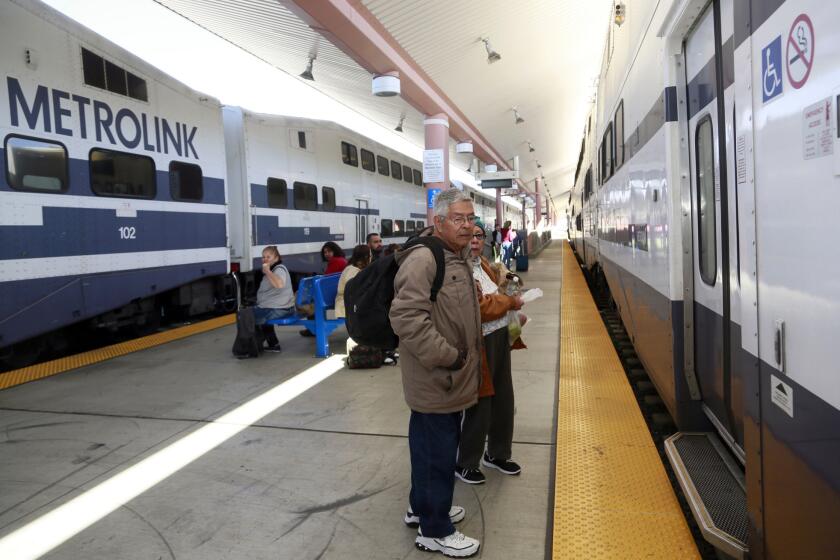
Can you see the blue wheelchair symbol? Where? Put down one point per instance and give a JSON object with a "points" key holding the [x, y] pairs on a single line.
{"points": [[771, 69]]}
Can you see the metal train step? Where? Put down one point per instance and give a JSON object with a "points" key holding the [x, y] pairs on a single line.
{"points": [[713, 483]]}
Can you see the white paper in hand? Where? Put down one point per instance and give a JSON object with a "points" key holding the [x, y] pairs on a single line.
{"points": [[531, 295]]}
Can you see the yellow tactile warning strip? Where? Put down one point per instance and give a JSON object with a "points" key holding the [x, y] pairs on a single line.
{"points": [[46, 369], [612, 498]]}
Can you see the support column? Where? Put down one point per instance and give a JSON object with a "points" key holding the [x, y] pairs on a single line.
{"points": [[499, 213], [538, 209], [437, 138]]}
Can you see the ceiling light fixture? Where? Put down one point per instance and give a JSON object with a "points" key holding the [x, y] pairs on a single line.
{"points": [[531, 147], [307, 74], [539, 166], [386, 85], [492, 55], [399, 127], [517, 116]]}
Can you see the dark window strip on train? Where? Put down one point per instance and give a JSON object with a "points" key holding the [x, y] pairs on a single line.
{"points": [[212, 189], [104, 74]]}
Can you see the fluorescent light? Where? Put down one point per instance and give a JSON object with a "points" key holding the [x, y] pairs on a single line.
{"points": [[52, 529]]}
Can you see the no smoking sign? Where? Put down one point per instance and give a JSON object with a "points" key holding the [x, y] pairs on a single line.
{"points": [[799, 53]]}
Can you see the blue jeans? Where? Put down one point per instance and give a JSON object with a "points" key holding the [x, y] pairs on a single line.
{"points": [[507, 250], [433, 444], [263, 314]]}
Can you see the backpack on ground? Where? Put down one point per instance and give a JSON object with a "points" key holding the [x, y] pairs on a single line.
{"points": [[248, 342], [368, 296], [365, 357]]}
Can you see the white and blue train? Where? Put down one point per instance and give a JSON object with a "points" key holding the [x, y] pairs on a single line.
{"points": [[706, 185], [127, 195]]}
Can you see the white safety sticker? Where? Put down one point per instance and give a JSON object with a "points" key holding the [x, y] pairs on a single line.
{"points": [[817, 129], [126, 210], [781, 394]]}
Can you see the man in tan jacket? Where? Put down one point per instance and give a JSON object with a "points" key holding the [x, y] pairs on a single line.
{"points": [[440, 355]]}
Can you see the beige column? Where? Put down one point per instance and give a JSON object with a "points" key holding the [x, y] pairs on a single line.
{"points": [[437, 152]]}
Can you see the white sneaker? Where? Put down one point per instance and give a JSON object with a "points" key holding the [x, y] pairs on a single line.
{"points": [[456, 545], [456, 514]]}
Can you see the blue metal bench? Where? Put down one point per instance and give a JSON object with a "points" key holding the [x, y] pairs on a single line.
{"points": [[320, 290]]}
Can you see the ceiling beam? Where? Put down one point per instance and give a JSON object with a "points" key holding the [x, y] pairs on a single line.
{"points": [[351, 27]]}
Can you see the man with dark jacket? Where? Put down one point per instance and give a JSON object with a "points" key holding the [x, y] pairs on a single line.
{"points": [[440, 350]]}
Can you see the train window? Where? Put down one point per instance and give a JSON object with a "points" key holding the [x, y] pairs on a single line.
{"points": [[706, 223], [418, 177], [420, 225], [93, 67], [387, 228], [587, 184], [396, 170], [619, 135], [382, 164], [36, 165], [302, 139], [609, 153], [349, 155], [399, 228], [409, 226], [406, 174], [306, 196], [137, 87], [122, 174], [278, 194], [185, 181], [328, 199], [368, 162]]}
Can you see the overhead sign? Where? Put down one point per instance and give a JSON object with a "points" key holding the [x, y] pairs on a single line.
{"points": [[497, 183], [799, 54], [433, 166], [771, 70]]}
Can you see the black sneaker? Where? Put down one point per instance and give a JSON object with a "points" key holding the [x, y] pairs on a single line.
{"points": [[306, 332], [470, 476], [507, 467], [275, 348]]}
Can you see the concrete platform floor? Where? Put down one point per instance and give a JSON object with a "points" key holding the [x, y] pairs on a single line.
{"points": [[325, 475]]}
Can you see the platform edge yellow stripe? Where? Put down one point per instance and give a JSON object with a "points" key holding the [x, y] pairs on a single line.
{"points": [[612, 497], [53, 367]]}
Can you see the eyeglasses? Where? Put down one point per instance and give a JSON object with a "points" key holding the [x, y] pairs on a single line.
{"points": [[479, 235], [460, 220]]}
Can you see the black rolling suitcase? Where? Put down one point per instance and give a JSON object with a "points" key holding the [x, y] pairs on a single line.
{"points": [[521, 263], [248, 342], [249, 339]]}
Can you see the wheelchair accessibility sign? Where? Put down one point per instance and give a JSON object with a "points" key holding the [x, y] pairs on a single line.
{"points": [[771, 70]]}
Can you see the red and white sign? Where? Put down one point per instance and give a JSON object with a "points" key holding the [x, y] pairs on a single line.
{"points": [[799, 53]]}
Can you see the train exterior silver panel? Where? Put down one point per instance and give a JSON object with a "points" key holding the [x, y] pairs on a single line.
{"points": [[298, 183], [107, 196], [716, 155]]}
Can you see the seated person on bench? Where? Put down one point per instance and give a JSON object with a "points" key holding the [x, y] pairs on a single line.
{"points": [[275, 298]]}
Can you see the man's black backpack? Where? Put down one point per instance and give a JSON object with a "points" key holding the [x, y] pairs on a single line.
{"points": [[368, 296]]}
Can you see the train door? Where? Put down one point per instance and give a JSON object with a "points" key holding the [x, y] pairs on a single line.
{"points": [[704, 67], [361, 221]]}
